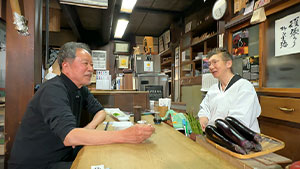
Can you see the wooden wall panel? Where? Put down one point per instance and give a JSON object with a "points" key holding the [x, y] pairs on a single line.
{"points": [[141, 100], [124, 102], [23, 67], [110, 58], [54, 19], [287, 132]]}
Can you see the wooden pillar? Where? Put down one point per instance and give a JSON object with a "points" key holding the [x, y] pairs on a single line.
{"points": [[2, 9], [23, 66]]}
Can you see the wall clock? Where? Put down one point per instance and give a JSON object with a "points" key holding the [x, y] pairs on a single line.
{"points": [[219, 9]]}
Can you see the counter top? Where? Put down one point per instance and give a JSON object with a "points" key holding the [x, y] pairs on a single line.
{"points": [[165, 149], [116, 91]]}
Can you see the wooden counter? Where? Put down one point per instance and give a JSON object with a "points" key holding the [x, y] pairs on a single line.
{"points": [[101, 92], [166, 149], [123, 99]]}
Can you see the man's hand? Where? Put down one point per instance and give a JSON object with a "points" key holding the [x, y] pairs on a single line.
{"points": [[203, 122], [138, 133]]}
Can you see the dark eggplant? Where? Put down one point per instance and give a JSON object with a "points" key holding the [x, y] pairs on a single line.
{"points": [[245, 131], [233, 134], [256, 146], [214, 135]]}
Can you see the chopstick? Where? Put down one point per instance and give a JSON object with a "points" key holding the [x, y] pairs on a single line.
{"points": [[106, 126]]}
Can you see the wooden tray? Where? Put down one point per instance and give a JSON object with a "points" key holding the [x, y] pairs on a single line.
{"points": [[269, 145]]}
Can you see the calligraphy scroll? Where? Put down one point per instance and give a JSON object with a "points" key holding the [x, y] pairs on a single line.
{"points": [[287, 35]]}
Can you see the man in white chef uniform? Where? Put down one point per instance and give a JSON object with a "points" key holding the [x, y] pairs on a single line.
{"points": [[232, 96]]}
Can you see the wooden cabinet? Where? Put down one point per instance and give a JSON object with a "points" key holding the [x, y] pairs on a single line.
{"points": [[287, 109], [278, 86], [125, 100]]}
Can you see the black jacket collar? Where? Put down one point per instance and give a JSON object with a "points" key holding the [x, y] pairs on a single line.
{"points": [[69, 83]]}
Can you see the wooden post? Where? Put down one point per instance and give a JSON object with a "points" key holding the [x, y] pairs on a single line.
{"points": [[23, 66]]}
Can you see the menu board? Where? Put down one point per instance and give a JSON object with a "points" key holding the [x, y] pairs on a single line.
{"points": [[99, 59], [155, 92]]}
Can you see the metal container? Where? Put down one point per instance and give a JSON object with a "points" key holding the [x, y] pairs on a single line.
{"points": [[156, 84], [147, 64]]}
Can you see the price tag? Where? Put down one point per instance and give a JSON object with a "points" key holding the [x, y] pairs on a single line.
{"points": [[97, 167]]}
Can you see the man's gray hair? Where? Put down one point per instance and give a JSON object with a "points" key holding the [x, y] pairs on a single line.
{"points": [[68, 50], [225, 54]]}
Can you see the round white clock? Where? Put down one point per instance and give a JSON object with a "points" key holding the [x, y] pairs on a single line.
{"points": [[219, 9]]}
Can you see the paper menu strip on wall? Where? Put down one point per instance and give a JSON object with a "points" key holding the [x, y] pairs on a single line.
{"points": [[99, 59]]}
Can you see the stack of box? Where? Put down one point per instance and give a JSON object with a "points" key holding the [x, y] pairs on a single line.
{"points": [[148, 45], [164, 41], [151, 43]]}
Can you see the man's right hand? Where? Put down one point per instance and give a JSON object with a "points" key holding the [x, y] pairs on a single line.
{"points": [[203, 122], [138, 133]]}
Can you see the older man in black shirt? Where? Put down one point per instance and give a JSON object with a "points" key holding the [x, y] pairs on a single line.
{"points": [[50, 127]]}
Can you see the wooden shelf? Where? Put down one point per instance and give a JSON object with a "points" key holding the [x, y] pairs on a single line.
{"points": [[168, 62], [197, 60], [168, 71], [206, 39], [185, 48], [237, 20], [186, 70], [205, 26], [285, 92], [165, 53], [193, 80], [186, 62]]}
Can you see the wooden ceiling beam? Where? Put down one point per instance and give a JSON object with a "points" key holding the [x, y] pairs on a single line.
{"points": [[157, 11], [107, 22], [73, 21]]}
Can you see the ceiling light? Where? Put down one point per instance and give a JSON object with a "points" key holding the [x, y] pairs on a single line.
{"points": [[121, 27], [127, 5], [102, 4]]}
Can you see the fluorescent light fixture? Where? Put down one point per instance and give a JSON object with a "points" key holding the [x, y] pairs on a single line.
{"points": [[121, 27], [127, 5], [102, 4]]}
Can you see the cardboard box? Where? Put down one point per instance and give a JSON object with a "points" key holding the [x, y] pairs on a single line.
{"points": [[167, 36], [161, 44], [148, 45]]}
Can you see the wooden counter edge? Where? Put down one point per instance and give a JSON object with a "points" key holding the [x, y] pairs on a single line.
{"points": [[117, 91]]}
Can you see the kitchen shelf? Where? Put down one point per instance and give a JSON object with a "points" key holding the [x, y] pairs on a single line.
{"points": [[167, 52], [168, 71], [206, 39], [186, 62], [169, 62], [197, 60]]}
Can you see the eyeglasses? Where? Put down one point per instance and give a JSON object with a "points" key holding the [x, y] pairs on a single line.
{"points": [[213, 62]]}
